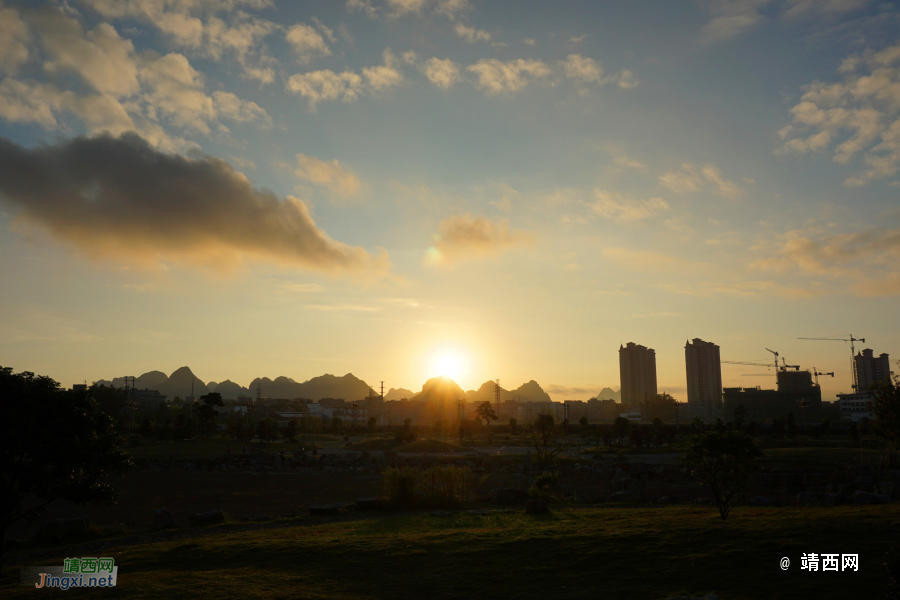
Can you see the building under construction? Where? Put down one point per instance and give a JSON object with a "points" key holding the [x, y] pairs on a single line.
{"points": [[796, 393]]}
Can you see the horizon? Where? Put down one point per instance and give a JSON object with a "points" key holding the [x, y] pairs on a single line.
{"points": [[403, 189]]}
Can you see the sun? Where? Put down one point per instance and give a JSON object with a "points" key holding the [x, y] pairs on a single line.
{"points": [[447, 364]]}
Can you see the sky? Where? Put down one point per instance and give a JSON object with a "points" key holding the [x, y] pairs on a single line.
{"points": [[407, 188]]}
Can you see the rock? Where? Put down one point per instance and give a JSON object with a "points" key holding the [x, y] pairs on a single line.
{"points": [[758, 501], [536, 506], [163, 519], [834, 499], [213, 517], [508, 496], [671, 500], [60, 529], [860, 497], [368, 503], [619, 497]]}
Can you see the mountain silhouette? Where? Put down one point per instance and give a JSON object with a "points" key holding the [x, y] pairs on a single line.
{"points": [[527, 392], [398, 394], [179, 384], [609, 394], [229, 390]]}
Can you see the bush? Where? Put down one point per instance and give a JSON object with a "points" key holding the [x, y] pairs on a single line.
{"points": [[544, 486], [437, 487], [398, 487]]}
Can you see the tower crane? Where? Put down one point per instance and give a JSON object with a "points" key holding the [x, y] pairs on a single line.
{"points": [[776, 358], [817, 373], [852, 340], [745, 363]]}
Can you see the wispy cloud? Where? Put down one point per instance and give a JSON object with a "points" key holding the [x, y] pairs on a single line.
{"points": [[330, 174], [467, 236]]}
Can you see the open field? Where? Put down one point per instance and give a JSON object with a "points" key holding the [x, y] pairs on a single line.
{"points": [[610, 552]]}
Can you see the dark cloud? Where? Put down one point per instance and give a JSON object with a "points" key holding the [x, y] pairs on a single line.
{"points": [[121, 198]]}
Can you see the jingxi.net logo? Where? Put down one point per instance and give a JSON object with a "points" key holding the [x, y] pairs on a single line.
{"points": [[75, 572]]}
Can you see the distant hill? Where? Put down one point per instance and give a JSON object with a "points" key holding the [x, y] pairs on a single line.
{"points": [[348, 387], [180, 384], [398, 394], [527, 392], [229, 390], [440, 389], [151, 380], [608, 394]]}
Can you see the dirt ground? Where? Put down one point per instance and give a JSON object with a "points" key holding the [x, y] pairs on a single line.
{"points": [[237, 493]]}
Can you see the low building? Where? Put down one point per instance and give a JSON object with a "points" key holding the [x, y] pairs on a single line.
{"points": [[767, 405], [529, 411], [856, 407]]}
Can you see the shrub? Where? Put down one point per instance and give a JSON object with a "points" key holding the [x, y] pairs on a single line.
{"points": [[544, 486], [437, 487], [398, 487]]}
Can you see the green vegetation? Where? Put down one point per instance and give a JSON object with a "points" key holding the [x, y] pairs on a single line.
{"points": [[596, 553], [429, 446]]}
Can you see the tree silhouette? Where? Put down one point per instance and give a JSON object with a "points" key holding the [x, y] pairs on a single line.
{"points": [[54, 445], [486, 412], [722, 461]]}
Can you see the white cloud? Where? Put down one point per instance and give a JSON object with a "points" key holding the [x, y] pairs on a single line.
{"points": [[470, 34], [123, 91], [857, 117], [588, 70], [14, 39], [452, 8], [583, 68], [362, 6], [306, 42], [731, 18], [317, 86], [614, 206], [801, 8], [441, 72], [693, 178], [626, 162], [229, 106], [102, 58], [330, 174], [195, 25], [383, 76], [529, 42], [496, 77]]}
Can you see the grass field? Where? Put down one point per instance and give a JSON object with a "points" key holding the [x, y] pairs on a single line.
{"points": [[611, 552]]}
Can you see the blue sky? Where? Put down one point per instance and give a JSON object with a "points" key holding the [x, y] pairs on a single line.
{"points": [[523, 186]]}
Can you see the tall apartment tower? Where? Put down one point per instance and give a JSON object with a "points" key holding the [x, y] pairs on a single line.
{"points": [[704, 372], [871, 370], [637, 373]]}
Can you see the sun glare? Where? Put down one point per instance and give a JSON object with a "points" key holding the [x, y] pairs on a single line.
{"points": [[447, 365]]}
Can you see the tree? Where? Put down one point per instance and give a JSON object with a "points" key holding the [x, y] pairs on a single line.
{"points": [[290, 431], [146, 428], [620, 428], [513, 425], [658, 431], [791, 425], [740, 417], [583, 421], [886, 408], [724, 462], [486, 412], [540, 437], [662, 406], [54, 445], [370, 425], [207, 413]]}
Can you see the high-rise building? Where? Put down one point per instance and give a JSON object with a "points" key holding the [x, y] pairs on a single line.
{"points": [[704, 376], [637, 373], [871, 370]]}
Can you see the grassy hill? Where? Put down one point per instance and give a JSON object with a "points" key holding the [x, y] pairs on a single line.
{"points": [[611, 552]]}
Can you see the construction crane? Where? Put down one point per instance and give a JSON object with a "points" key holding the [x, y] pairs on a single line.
{"points": [[817, 373], [785, 366], [852, 340], [776, 359], [758, 375]]}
